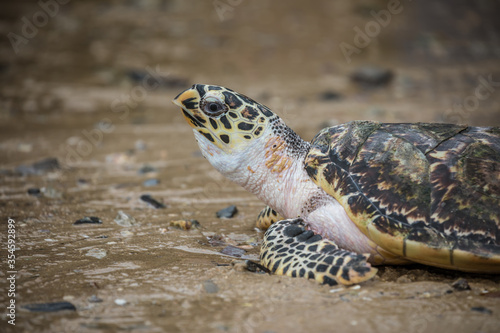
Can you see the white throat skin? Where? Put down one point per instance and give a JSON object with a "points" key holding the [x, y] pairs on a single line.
{"points": [[274, 176], [274, 171]]}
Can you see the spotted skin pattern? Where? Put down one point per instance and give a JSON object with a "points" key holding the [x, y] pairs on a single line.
{"points": [[289, 249], [426, 192], [266, 217], [245, 119]]}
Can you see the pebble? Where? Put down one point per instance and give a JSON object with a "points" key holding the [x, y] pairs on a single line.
{"points": [[151, 182], [40, 167], [96, 253], [126, 233], [125, 220], [34, 191], [49, 307], [372, 76], [120, 301], [185, 224], [153, 202], [329, 95], [210, 287], [227, 212], [481, 309], [146, 169], [51, 192], [89, 220], [140, 145], [94, 299], [233, 251], [460, 284]]}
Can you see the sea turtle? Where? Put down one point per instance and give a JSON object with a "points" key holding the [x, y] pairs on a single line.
{"points": [[359, 193]]}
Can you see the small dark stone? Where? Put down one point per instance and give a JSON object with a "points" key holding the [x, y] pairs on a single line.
{"points": [[233, 251], [146, 169], [49, 307], [329, 95], [371, 76], [153, 202], [40, 167], [461, 284], [82, 181], [481, 309], [34, 191], [89, 220], [48, 164], [151, 182], [227, 212]]}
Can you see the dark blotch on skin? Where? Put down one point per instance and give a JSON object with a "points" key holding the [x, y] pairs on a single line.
{"points": [[201, 91], [225, 122], [208, 136], [213, 123], [245, 126], [224, 138], [231, 100], [190, 104]]}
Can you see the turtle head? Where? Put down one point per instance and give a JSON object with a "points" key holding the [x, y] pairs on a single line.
{"points": [[226, 119]]}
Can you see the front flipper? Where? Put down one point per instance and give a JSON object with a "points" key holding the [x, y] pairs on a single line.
{"points": [[289, 249], [267, 217]]}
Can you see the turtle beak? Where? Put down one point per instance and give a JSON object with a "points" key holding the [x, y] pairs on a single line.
{"points": [[186, 99]]}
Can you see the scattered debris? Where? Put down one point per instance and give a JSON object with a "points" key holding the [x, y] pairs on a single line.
{"points": [[481, 309], [460, 284], [227, 212], [153, 202], [96, 253], [125, 220], [151, 182], [49, 307], [89, 220], [372, 76], [185, 224], [233, 251]]}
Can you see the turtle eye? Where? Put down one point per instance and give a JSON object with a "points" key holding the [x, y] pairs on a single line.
{"points": [[213, 108]]}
